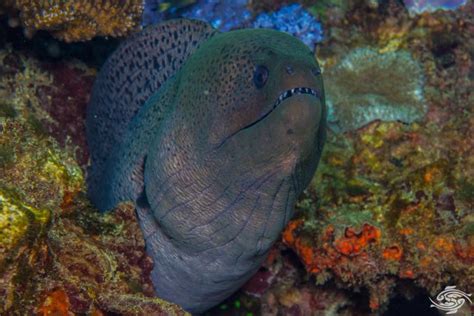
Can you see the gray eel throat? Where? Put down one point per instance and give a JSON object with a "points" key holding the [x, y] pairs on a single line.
{"points": [[213, 136]]}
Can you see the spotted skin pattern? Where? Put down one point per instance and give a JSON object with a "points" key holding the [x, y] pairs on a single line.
{"points": [[213, 136]]}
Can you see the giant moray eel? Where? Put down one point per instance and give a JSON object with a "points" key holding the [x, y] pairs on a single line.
{"points": [[213, 136]]}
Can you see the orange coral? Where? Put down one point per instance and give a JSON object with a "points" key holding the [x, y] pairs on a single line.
{"points": [[425, 262], [374, 302], [353, 242], [305, 252], [406, 231], [393, 253], [444, 245], [330, 254], [288, 236], [56, 303], [465, 251], [407, 274], [80, 20], [68, 198]]}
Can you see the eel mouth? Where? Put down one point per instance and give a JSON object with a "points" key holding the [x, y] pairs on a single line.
{"points": [[282, 97], [289, 93]]}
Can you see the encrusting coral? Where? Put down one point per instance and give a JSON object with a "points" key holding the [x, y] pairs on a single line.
{"points": [[57, 255], [78, 20], [367, 85], [391, 207]]}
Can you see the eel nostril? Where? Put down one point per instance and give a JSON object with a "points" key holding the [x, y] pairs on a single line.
{"points": [[316, 71], [289, 70]]}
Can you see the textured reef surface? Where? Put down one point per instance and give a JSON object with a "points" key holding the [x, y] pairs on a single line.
{"points": [[227, 15], [386, 220], [367, 85], [75, 20], [58, 256]]}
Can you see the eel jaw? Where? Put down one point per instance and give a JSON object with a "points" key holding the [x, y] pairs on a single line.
{"points": [[289, 93], [282, 97]]}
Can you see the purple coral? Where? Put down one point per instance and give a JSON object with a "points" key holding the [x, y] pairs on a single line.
{"points": [[420, 6], [227, 15], [224, 15], [293, 19]]}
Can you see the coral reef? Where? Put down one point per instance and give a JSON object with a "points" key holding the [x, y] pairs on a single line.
{"points": [[57, 254], [53, 95], [101, 259], [65, 101], [229, 15], [389, 212], [223, 15], [293, 19], [77, 20], [391, 207], [366, 86]]}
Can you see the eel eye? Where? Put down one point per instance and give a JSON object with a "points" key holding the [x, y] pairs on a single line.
{"points": [[260, 76]]}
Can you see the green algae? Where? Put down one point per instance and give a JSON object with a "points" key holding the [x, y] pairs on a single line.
{"points": [[13, 221], [7, 110], [6, 156], [466, 190]]}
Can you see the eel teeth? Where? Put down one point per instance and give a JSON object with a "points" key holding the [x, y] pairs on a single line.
{"points": [[291, 92]]}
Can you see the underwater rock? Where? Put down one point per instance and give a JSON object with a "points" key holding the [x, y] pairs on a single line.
{"points": [[57, 254], [35, 176], [366, 86], [53, 96], [379, 220], [420, 6], [104, 255], [65, 100], [293, 19], [77, 20]]}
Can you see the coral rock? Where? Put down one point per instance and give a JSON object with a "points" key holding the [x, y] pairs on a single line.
{"points": [[56, 303], [293, 19], [80, 20], [223, 15], [57, 255], [361, 89]]}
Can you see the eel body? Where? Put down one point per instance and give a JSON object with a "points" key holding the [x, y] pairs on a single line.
{"points": [[213, 136]]}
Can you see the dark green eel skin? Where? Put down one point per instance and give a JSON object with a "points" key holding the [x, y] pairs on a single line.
{"points": [[213, 136]]}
